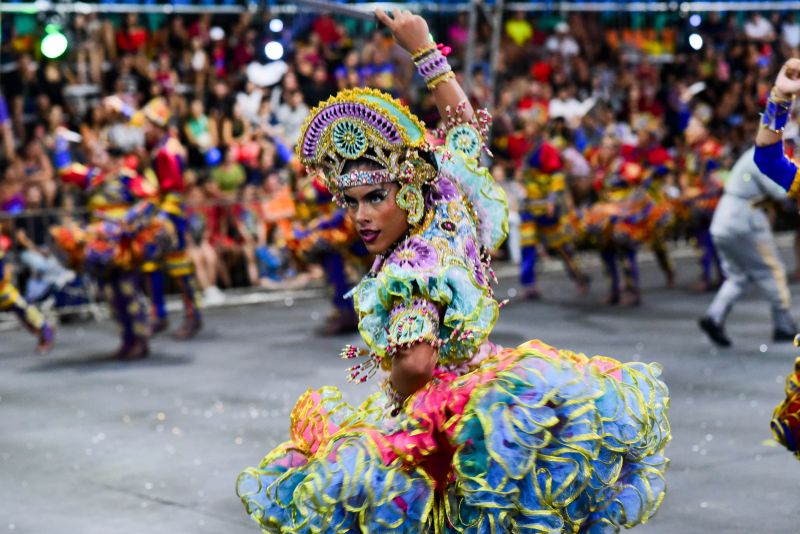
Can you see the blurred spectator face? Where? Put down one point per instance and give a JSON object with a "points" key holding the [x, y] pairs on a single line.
{"points": [[353, 79], [34, 198], [56, 117], [296, 99], [499, 173], [27, 68], [33, 150], [249, 193], [272, 183], [14, 172], [351, 59], [695, 131], [99, 157], [290, 81], [531, 128], [196, 108], [320, 75], [608, 148], [231, 156]]}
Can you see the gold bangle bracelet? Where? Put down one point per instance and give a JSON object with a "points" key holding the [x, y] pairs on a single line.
{"points": [[773, 95], [433, 84], [422, 52]]}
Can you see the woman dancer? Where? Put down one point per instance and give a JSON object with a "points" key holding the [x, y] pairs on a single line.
{"points": [[475, 438]]}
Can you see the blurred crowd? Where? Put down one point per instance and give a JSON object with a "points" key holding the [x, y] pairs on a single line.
{"points": [[570, 81]]}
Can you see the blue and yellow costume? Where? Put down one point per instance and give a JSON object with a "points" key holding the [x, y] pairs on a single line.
{"points": [[658, 166], [30, 317], [701, 191], [544, 217], [624, 219], [126, 231], [531, 438], [168, 165]]}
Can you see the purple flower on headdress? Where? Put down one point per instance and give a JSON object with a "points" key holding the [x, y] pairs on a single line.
{"points": [[444, 191], [415, 253], [474, 257]]}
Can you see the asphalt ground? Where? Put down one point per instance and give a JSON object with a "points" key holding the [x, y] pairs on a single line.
{"points": [[92, 445]]}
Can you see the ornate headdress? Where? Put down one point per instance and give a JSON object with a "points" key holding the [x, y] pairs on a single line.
{"points": [[365, 124]]}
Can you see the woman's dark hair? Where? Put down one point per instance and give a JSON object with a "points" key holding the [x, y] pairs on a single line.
{"points": [[367, 164], [361, 164]]}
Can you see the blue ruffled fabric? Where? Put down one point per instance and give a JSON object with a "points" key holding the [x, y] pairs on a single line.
{"points": [[535, 439]]}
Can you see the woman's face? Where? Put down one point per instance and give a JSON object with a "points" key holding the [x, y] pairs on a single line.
{"points": [[379, 220]]}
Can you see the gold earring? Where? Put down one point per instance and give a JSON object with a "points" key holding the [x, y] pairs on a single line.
{"points": [[409, 198]]}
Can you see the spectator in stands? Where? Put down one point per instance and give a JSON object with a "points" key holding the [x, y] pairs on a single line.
{"points": [[292, 114], [228, 176], [562, 42], [758, 28], [201, 134], [790, 33], [203, 254]]}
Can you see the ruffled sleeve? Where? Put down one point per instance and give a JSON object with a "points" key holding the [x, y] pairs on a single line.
{"points": [[459, 159]]}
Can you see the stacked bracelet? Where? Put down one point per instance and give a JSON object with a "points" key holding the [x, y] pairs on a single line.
{"points": [[422, 52], [776, 113], [432, 66]]}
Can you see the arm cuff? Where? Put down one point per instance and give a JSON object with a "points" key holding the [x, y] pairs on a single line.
{"points": [[413, 322]]}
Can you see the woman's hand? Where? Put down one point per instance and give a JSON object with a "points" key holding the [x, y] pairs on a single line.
{"points": [[410, 31], [787, 84]]}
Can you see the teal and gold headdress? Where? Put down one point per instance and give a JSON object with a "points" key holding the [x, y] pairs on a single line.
{"points": [[366, 124]]}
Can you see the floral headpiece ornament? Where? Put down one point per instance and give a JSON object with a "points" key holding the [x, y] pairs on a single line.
{"points": [[365, 124]]}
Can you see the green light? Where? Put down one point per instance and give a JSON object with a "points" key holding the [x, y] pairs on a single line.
{"points": [[54, 45]]}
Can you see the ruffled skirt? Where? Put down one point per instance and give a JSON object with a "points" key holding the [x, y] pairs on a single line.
{"points": [[534, 439], [786, 417]]}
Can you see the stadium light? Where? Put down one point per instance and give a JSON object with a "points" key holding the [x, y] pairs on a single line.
{"points": [[276, 25], [695, 41], [216, 33], [54, 43], [273, 50]]}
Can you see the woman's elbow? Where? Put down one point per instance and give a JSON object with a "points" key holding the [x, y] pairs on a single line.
{"points": [[413, 367]]}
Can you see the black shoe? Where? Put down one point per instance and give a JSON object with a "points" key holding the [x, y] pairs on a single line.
{"points": [[714, 331], [780, 335], [339, 324]]}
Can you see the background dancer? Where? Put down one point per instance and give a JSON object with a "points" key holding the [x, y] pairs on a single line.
{"points": [[544, 214], [10, 300], [168, 160], [744, 242]]}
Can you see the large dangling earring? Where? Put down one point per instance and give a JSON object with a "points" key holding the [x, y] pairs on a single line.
{"points": [[410, 199]]}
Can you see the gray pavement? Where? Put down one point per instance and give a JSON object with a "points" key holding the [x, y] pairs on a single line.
{"points": [[89, 445]]}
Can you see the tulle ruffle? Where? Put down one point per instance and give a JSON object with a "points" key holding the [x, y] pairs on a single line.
{"points": [[467, 304], [786, 417], [532, 440]]}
